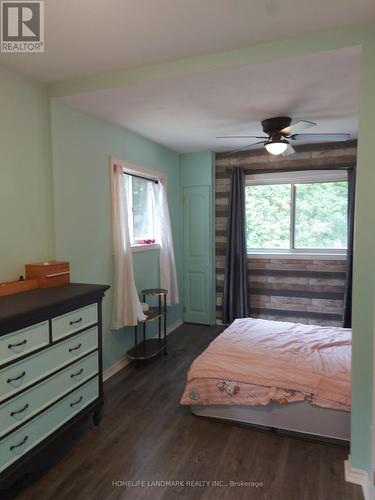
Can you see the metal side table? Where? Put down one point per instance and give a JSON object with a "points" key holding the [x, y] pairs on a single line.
{"points": [[149, 348]]}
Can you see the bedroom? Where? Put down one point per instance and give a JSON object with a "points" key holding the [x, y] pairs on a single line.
{"points": [[71, 114]]}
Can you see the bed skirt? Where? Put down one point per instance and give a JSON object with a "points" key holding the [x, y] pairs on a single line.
{"points": [[301, 417]]}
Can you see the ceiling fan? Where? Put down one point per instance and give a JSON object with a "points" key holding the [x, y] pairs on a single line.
{"points": [[280, 131]]}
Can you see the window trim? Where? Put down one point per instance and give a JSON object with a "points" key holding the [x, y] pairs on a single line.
{"points": [[133, 168], [293, 178], [298, 177], [268, 254], [142, 247]]}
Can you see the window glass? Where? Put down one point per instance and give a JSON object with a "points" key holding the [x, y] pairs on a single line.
{"points": [[321, 215], [297, 216], [268, 216], [140, 206]]}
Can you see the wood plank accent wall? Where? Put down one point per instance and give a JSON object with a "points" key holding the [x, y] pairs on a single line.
{"points": [[287, 289]]}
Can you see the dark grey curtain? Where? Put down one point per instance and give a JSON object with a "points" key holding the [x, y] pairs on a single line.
{"points": [[235, 304], [347, 316]]}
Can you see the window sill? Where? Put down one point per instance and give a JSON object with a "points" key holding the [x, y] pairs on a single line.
{"points": [[291, 255], [145, 247]]}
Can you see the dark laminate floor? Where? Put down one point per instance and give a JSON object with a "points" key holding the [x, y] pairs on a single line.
{"points": [[146, 435]]}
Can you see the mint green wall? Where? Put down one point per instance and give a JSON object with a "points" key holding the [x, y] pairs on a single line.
{"points": [[81, 146], [364, 266], [25, 174], [197, 169]]}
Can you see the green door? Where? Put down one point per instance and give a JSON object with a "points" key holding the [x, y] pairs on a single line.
{"points": [[197, 254]]}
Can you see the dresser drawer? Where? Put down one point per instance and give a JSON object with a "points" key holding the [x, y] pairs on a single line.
{"points": [[21, 342], [28, 403], [73, 321], [21, 441], [27, 371]]}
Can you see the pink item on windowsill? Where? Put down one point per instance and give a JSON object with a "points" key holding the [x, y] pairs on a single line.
{"points": [[145, 242]]}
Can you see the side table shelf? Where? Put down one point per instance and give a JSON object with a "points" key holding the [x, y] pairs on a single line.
{"points": [[149, 348]]}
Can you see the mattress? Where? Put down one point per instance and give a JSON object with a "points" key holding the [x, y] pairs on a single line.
{"points": [[255, 362]]}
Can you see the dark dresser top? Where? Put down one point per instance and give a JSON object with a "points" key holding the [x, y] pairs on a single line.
{"points": [[35, 305]]}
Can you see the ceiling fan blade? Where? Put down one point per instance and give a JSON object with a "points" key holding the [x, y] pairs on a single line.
{"points": [[242, 137], [297, 127], [244, 148], [320, 137], [289, 151]]}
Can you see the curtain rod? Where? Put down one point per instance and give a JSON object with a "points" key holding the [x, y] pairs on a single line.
{"points": [[156, 181]]}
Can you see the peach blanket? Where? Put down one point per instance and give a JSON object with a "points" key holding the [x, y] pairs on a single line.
{"points": [[313, 360]]}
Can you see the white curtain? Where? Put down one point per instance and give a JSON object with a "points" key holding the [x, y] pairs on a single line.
{"points": [[126, 306], [163, 235]]}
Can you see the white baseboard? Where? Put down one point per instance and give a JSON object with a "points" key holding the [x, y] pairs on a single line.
{"points": [[112, 370], [357, 476], [116, 367]]}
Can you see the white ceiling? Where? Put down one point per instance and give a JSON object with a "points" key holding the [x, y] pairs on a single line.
{"points": [[84, 38], [187, 113]]}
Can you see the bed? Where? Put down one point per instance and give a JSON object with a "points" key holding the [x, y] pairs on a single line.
{"points": [[281, 375]]}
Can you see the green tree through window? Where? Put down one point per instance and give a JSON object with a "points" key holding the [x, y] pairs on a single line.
{"points": [[321, 215], [268, 216], [297, 216]]}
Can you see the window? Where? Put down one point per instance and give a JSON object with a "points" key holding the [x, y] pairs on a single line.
{"points": [[140, 208], [306, 214]]}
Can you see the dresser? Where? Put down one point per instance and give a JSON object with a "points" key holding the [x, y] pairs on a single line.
{"points": [[50, 372]]}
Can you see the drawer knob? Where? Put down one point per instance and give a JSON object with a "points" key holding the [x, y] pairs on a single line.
{"points": [[75, 322], [10, 380], [11, 346], [76, 402], [78, 346], [14, 446], [77, 374], [17, 412]]}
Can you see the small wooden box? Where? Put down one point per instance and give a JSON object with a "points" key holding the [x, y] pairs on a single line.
{"points": [[49, 274], [11, 287]]}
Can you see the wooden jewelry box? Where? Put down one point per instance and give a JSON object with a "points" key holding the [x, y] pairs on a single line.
{"points": [[49, 274]]}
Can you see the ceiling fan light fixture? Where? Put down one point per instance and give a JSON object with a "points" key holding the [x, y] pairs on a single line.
{"points": [[276, 147]]}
